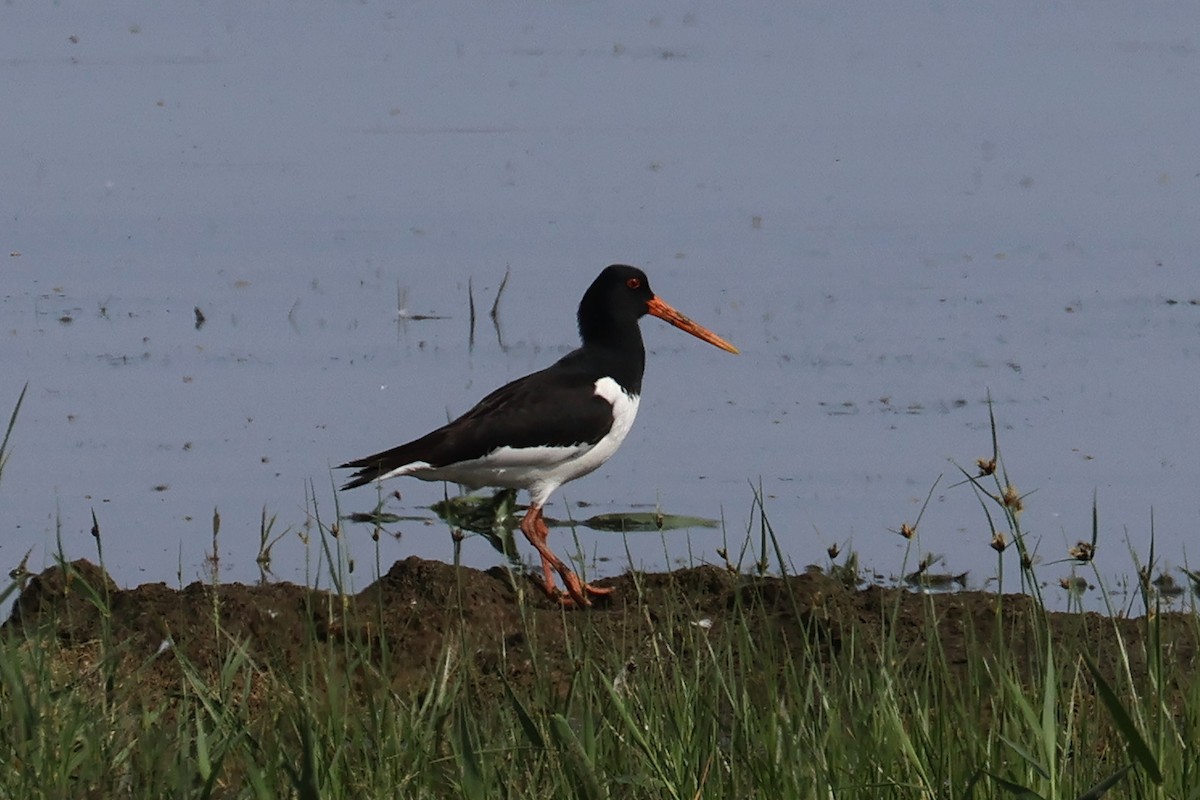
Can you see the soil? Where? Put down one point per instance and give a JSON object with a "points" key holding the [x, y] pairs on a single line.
{"points": [[419, 608]]}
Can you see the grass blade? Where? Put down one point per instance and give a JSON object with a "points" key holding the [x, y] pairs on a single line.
{"points": [[468, 760], [1097, 791], [12, 422], [1026, 755], [1138, 749], [526, 722], [1015, 789], [585, 772]]}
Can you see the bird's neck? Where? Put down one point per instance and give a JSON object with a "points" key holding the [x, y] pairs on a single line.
{"points": [[624, 361]]}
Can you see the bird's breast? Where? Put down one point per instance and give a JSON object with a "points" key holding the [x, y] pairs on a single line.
{"points": [[624, 411]]}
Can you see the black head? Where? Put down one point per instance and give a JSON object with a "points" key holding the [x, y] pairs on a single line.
{"points": [[613, 304], [617, 299]]}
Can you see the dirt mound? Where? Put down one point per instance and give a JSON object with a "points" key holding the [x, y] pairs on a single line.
{"points": [[420, 607]]}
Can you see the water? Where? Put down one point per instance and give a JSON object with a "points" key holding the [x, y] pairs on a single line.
{"points": [[893, 213]]}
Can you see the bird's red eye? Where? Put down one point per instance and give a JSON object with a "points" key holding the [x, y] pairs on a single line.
{"points": [[634, 283]]}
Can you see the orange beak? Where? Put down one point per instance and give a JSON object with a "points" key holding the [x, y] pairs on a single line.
{"points": [[663, 311]]}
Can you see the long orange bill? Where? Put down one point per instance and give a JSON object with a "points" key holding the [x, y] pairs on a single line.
{"points": [[663, 311]]}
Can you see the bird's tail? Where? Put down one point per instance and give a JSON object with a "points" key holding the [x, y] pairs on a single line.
{"points": [[378, 465], [367, 473]]}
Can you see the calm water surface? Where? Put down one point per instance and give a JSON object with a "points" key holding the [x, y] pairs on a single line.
{"points": [[892, 214]]}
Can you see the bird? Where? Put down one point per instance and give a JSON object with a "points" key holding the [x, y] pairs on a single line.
{"points": [[552, 426]]}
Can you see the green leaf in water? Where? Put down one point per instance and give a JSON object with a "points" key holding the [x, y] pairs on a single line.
{"points": [[632, 522]]}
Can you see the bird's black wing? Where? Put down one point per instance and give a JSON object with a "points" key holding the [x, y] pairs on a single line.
{"points": [[556, 406]]}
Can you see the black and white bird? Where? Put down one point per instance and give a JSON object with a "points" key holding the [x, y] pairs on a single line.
{"points": [[552, 426]]}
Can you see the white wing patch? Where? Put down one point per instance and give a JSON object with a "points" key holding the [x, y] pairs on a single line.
{"points": [[541, 470]]}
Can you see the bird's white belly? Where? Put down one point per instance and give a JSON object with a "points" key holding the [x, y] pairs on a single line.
{"points": [[542, 469]]}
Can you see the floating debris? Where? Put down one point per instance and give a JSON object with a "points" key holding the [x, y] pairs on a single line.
{"points": [[1075, 585], [936, 581], [1167, 586], [642, 521], [376, 517], [479, 513]]}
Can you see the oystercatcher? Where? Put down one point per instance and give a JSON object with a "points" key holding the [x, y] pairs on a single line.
{"points": [[553, 426]]}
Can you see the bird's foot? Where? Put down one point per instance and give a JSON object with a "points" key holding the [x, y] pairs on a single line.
{"points": [[577, 594]]}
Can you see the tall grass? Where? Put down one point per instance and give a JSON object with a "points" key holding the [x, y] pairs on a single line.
{"points": [[762, 687], [774, 695]]}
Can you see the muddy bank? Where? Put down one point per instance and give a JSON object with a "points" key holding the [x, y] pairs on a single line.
{"points": [[499, 622]]}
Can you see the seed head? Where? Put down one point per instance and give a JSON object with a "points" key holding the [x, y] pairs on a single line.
{"points": [[1082, 552], [1012, 500]]}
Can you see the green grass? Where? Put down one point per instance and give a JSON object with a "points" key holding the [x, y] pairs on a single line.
{"points": [[827, 709], [781, 696]]}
